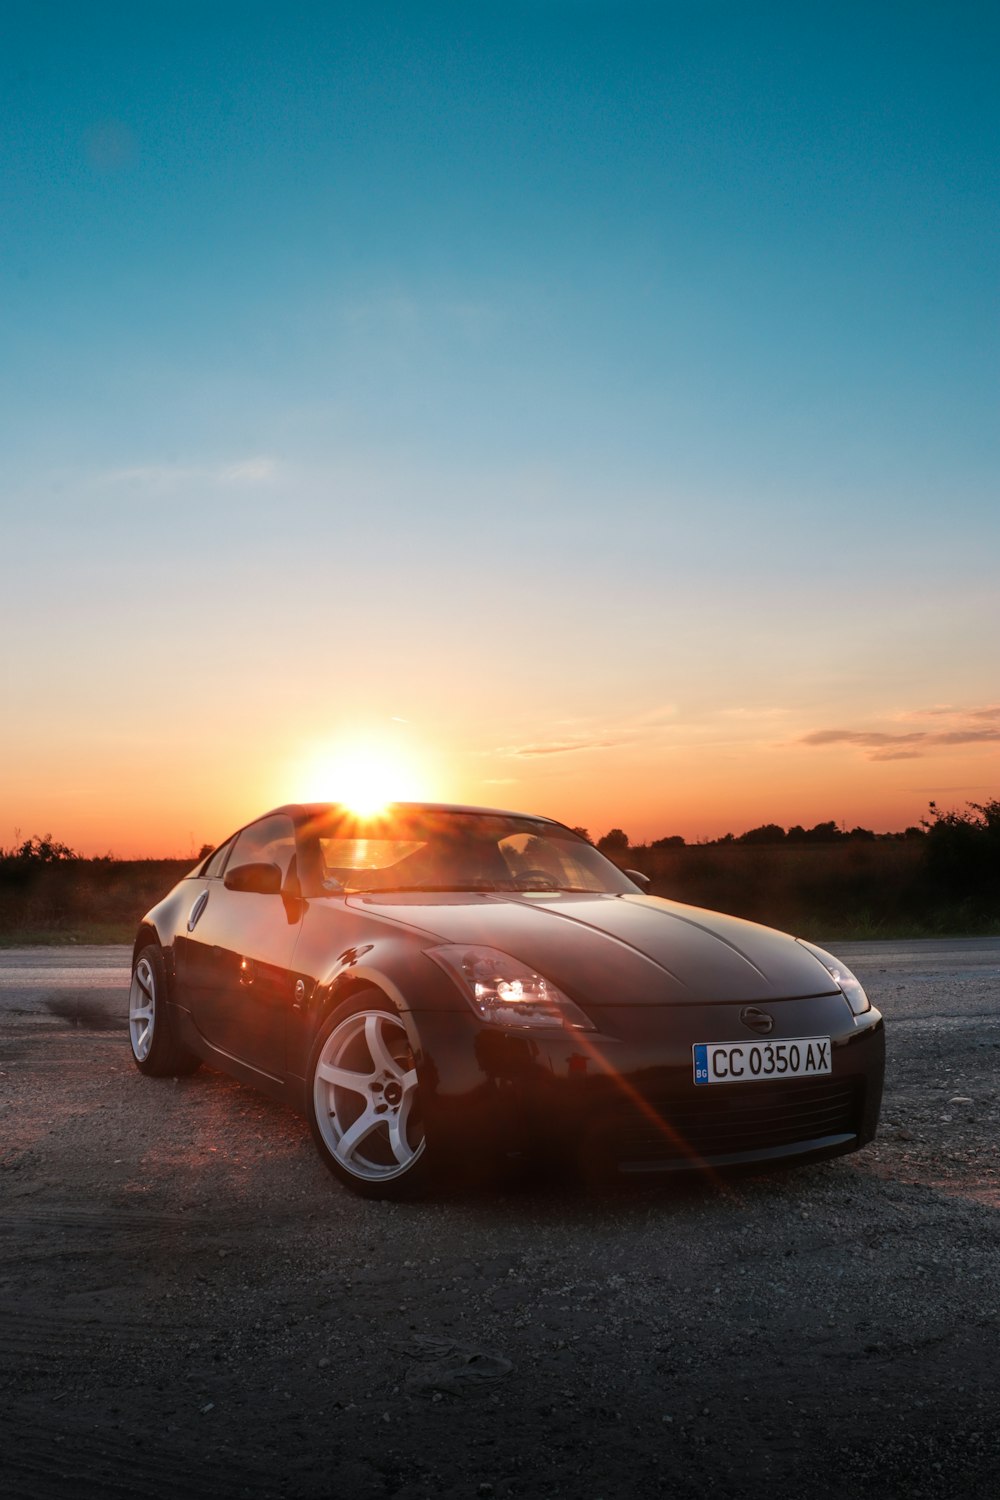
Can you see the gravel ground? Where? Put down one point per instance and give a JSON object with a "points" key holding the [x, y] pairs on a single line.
{"points": [[189, 1305]]}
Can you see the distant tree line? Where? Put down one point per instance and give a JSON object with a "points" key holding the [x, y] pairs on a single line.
{"points": [[947, 868], [616, 841], [972, 836], [42, 850], [943, 876]]}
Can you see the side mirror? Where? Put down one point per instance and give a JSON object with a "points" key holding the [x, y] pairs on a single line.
{"points": [[261, 880], [641, 880]]}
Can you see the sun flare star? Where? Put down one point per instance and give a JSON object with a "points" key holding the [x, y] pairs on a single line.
{"points": [[365, 777]]}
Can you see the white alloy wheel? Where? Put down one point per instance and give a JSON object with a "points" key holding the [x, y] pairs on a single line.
{"points": [[156, 1048], [142, 1008], [365, 1098]]}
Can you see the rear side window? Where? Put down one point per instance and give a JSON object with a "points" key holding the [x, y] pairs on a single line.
{"points": [[217, 863]]}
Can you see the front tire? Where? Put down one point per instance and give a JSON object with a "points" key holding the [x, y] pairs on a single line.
{"points": [[364, 1100], [155, 1048]]}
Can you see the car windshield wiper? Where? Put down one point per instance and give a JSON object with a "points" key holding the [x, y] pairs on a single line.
{"points": [[464, 885], [560, 890]]}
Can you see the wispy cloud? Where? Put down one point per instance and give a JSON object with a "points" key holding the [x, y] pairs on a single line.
{"points": [[914, 743], [965, 736], [662, 728], [858, 737], [579, 733], [253, 469], [260, 470], [950, 711], [557, 747], [889, 753]]}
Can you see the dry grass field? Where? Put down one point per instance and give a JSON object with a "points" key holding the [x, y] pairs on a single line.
{"points": [[81, 900]]}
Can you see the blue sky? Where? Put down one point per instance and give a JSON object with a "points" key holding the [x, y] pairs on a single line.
{"points": [[522, 372]]}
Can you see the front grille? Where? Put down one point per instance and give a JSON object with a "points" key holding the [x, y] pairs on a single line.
{"points": [[728, 1119]]}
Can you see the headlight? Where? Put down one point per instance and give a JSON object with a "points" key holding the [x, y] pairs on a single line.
{"points": [[506, 992], [841, 974]]}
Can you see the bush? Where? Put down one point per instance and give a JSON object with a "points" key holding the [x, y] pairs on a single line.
{"points": [[37, 850], [963, 855]]}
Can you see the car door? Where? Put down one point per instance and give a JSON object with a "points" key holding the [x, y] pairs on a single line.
{"points": [[240, 950], [192, 957]]}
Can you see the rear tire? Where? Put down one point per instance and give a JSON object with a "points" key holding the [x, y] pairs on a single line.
{"points": [[364, 1100], [156, 1050]]}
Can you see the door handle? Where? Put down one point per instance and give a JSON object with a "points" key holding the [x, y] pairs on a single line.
{"points": [[196, 911]]}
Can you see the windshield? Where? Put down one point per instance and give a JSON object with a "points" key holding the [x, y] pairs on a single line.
{"points": [[431, 850]]}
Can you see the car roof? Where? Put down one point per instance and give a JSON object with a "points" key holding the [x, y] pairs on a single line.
{"points": [[321, 809]]}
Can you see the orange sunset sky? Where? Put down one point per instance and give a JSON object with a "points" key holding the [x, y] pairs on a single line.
{"points": [[583, 409]]}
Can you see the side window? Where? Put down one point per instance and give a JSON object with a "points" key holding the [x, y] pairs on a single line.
{"points": [[217, 863], [271, 841]]}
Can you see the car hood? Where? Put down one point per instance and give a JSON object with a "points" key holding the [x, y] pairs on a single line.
{"points": [[618, 950]]}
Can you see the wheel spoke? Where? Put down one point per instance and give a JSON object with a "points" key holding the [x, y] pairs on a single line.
{"points": [[363, 1126], [382, 1058], [401, 1148], [142, 1037], [344, 1078], [140, 1013]]}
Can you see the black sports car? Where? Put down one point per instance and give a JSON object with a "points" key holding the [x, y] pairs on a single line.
{"points": [[440, 981]]}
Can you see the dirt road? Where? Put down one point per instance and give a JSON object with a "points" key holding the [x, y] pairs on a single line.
{"points": [[189, 1305]]}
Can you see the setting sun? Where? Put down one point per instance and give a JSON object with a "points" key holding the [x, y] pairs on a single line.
{"points": [[365, 776]]}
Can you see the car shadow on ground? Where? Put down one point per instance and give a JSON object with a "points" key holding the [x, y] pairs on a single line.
{"points": [[89, 1015]]}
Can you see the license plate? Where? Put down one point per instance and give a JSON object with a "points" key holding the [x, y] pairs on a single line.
{"points": [[750, 1062]]}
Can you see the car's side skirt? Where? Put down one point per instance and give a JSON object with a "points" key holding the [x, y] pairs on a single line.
{"points": [[215, 1057]]}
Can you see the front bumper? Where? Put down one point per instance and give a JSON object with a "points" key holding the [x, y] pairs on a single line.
{"points": [[613, 1103]]}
